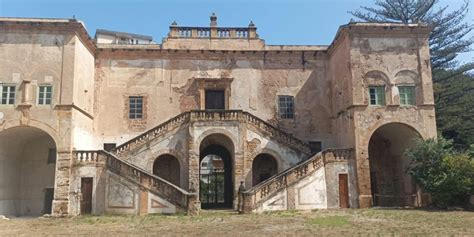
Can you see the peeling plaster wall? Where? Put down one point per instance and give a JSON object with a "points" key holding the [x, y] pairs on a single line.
{"points": [[168, 81]]}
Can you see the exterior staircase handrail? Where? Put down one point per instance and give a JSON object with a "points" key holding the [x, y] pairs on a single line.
{"points": [[291, 175], [215, 115], [151, 182]]}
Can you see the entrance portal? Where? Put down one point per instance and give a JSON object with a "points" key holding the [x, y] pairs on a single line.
{"points": [[27, 167], [215, 173], [390, 184]]}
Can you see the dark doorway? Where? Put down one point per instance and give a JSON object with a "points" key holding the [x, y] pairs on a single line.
{"points": [[390, 184], [215, 99], [86, 191], [48, 200], [167, 167], [264, 166], [215, 178], [343, 191]]}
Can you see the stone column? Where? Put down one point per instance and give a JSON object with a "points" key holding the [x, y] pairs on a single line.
{"points": [[61, 187]]}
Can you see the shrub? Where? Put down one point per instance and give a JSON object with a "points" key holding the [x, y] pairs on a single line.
{"points": [[447, 175]]}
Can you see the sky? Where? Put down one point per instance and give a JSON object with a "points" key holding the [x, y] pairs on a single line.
{"points": [[290, 22]]}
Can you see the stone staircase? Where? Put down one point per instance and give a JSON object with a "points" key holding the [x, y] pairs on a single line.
{"points": [[114, 164], [183, 200], [188, 117], [253, 200]]}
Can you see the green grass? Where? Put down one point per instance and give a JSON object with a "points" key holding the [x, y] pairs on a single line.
{"points": [[330, 221]]}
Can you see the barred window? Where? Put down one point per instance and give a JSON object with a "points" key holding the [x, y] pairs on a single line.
{"points": [[136, 107], [7, 95], [286, 108], [45, 94], [407, 95], [377, 95]]}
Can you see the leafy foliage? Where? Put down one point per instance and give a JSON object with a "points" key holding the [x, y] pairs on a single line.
{"points": [[447, 175], [450, 35]]}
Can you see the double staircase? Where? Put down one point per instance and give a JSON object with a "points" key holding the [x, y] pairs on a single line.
{"points": [[116, 162]]}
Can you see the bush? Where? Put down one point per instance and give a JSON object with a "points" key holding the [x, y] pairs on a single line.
{"points": [[447, 175]]}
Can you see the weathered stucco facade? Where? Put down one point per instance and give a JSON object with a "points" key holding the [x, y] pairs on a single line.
{"points": [[160, 150]]}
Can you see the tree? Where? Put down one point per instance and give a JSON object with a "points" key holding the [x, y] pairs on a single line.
{"points": [[446, 175], [455, 108], [450, 35]]}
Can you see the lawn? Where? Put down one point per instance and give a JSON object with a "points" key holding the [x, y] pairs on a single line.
{"points": [[218, 223]]}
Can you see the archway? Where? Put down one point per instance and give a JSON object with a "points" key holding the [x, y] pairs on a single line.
{"points": [[264, 166], [167, 167], [390, 184], [215, 172], [27, 169]]}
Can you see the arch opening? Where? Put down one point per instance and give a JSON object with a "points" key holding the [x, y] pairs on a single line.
{"points": [[27, 171], [216, 189], [264, 166], [167, 167], [390, 184]]}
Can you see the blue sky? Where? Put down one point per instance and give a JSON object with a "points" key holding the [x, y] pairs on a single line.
{"points": [[279, 22]]}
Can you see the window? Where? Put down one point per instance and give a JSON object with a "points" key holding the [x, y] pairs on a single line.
{"points": [[7, 95], [315, 146], [52, 156], [377, 95], [407, 95], [136, 107], [44, 95], [286, 108]]}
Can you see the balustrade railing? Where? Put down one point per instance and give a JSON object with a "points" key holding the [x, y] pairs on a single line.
{"points": [[251, 198], [213, 115], [213, 32], [86, 157], [143, 138], [155, 184]]}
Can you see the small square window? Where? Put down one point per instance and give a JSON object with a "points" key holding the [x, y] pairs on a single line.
{"points": [[136, 107], [45, 93], [286, 108], [407, 95], [7, 95], [377, 95]]}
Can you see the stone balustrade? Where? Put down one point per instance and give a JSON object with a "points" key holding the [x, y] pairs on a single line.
{"points": [[252, 198], [213, 32], [213, 115], [172, 193], [86, 157]]}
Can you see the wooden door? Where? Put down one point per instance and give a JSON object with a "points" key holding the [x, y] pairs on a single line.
{"points": [[215, 99], [343, 191], [86, 191]]}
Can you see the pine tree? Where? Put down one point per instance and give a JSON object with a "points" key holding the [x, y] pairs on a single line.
{"points": [[450, 35]]}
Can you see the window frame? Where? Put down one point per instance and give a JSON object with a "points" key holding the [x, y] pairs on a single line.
{"points": [[405, 95], [377, 99], [7, 85], [44, 93], [132, 111], [285, 114]]}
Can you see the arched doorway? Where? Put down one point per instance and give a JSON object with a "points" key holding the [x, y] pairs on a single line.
{"points": [[215, 172], [390, 184], [264, 166], [167, 167], [27, 168]]}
